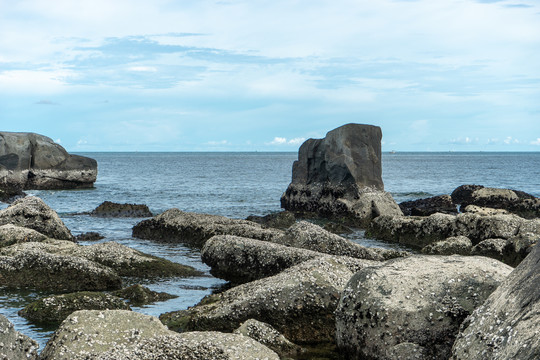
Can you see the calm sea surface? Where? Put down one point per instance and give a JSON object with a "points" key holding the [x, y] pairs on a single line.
{"points": [[237, 185]]}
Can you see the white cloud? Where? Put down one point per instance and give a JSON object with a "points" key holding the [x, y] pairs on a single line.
{"points": [[510, 140], [296, 141], [279, 141], [142, 69], [536, 142], [222, 142], [58, 141]]}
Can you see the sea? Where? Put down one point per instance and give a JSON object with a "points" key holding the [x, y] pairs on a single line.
{"points": [[237, 185]]}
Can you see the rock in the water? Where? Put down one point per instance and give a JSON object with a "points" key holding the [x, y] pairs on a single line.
{"points": [[419, 299], [194, 229], [55, 308], [306, 235], [13, 234], [110, 209], [425, 207], [140, 295], [458, 245], [33, 161], [10, 193], [14, 345], [506, 326], [299, 302], [340, 176], [31, 212], [269, 337], [281, 220], [89, 236]]}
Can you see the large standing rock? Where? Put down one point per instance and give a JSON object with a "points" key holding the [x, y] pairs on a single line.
{"points": [[33, 161], [418, 300], [506, 326], [14, 345], [341, 176], [194, 229]]}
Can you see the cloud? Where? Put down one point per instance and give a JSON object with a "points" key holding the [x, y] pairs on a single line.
{"points": [[510, 140], [279, 141], [536, 142], [58, 141], [284, 141], [464, 141], [46, 102], [296, 141], [142, 69], [222, 142]]}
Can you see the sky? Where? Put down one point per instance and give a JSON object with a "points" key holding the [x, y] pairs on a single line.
{"points": [[258, 75]]}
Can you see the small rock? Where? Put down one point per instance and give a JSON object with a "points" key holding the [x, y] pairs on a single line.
{"points": [[281, 220], [425, 207], [111, 209], [140, 295], [12, 234], [89, 236], [459, 245]]}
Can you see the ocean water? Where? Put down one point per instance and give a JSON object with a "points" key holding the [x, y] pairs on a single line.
{"points": [[237, 185]]}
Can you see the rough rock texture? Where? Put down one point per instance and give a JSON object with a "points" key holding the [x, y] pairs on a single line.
{"points": [[419, 299], [194, 229], [484, 211], [14, 345], [13, 234], [193, 346], [506, 326], [459, 245], [269, 337], [493, 248], [88, 236], [87, 333], [281, 220], [9, 194], [514, 201], [32, 161], [241, 260], [31, 212], [299, 302], [340, 176], [140, 295], [425, 207], [55, 308], [111, 209], [309, 236]]}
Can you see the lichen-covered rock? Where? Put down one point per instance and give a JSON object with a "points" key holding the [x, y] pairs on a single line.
{"points": [[269, 337], [241, 260], [459, 245], [281, 220], [484, 211], [14, 345], [299, 302], [55, 308], [505, 326], [12, 234], [111, 209], [419, 299], [140, 295], [87, 334], [31, 212], [425, 207], [306, 235], [194, 229]]}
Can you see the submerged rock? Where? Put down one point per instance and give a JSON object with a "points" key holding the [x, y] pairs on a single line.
{"points": [[12, 234], [140, 295], [55, 308], [418, 300], [281, 220], [194, 229], [425, 207], [340, 176], [14, 345], [505, 326], [111, 209]]}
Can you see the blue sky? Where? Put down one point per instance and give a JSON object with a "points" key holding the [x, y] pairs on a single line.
{"points": [[239, 75]]}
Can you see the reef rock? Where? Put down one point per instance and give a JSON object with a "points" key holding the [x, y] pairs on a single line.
{"points": [[111, 209], [140, 295], [340, 176], [459, 245], [425, 207], [281, 220], [14, 345], [13, 234]]}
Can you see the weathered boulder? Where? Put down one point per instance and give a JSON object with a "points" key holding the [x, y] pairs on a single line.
{"points": [[418, 300], [505, 326], [459, 245], [306, 235], [514, 201], [269, 337], [12, 234], [14, 345], [340, 176], [33, 161], [281, 220], [194, 229], [10, 193], [484, 211], [140, 295], [493, 248], [425, 207], [55, 308], [31, 212], [111, 209], [299, 302]]}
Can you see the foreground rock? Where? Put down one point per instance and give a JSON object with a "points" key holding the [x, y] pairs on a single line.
{"points": [[458, 245], [298, 302], [340, 176], [13, 234], [139, 295], [31, 212], [54, 309], [419, 301], [14, 345], [33, 161], [194, 229], [111, 209], [425, 207], [506, 325]]}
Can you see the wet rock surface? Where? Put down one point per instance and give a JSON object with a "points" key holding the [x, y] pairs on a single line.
{"points": [[89, 236], [418, 300], [14, 345], [140, 295], [506, 326], [111, 209], [193, 229], [425, 207]]}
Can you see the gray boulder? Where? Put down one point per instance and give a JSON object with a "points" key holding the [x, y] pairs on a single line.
{"points": [[340, 176], [419, 300], [140, 295], [14, 345], [33, 161], [111, 209], [425, 207], [506, 325], [459, 245], [12, 234], [194, 229], [484, 211], [281, 220], [493, 248]]}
